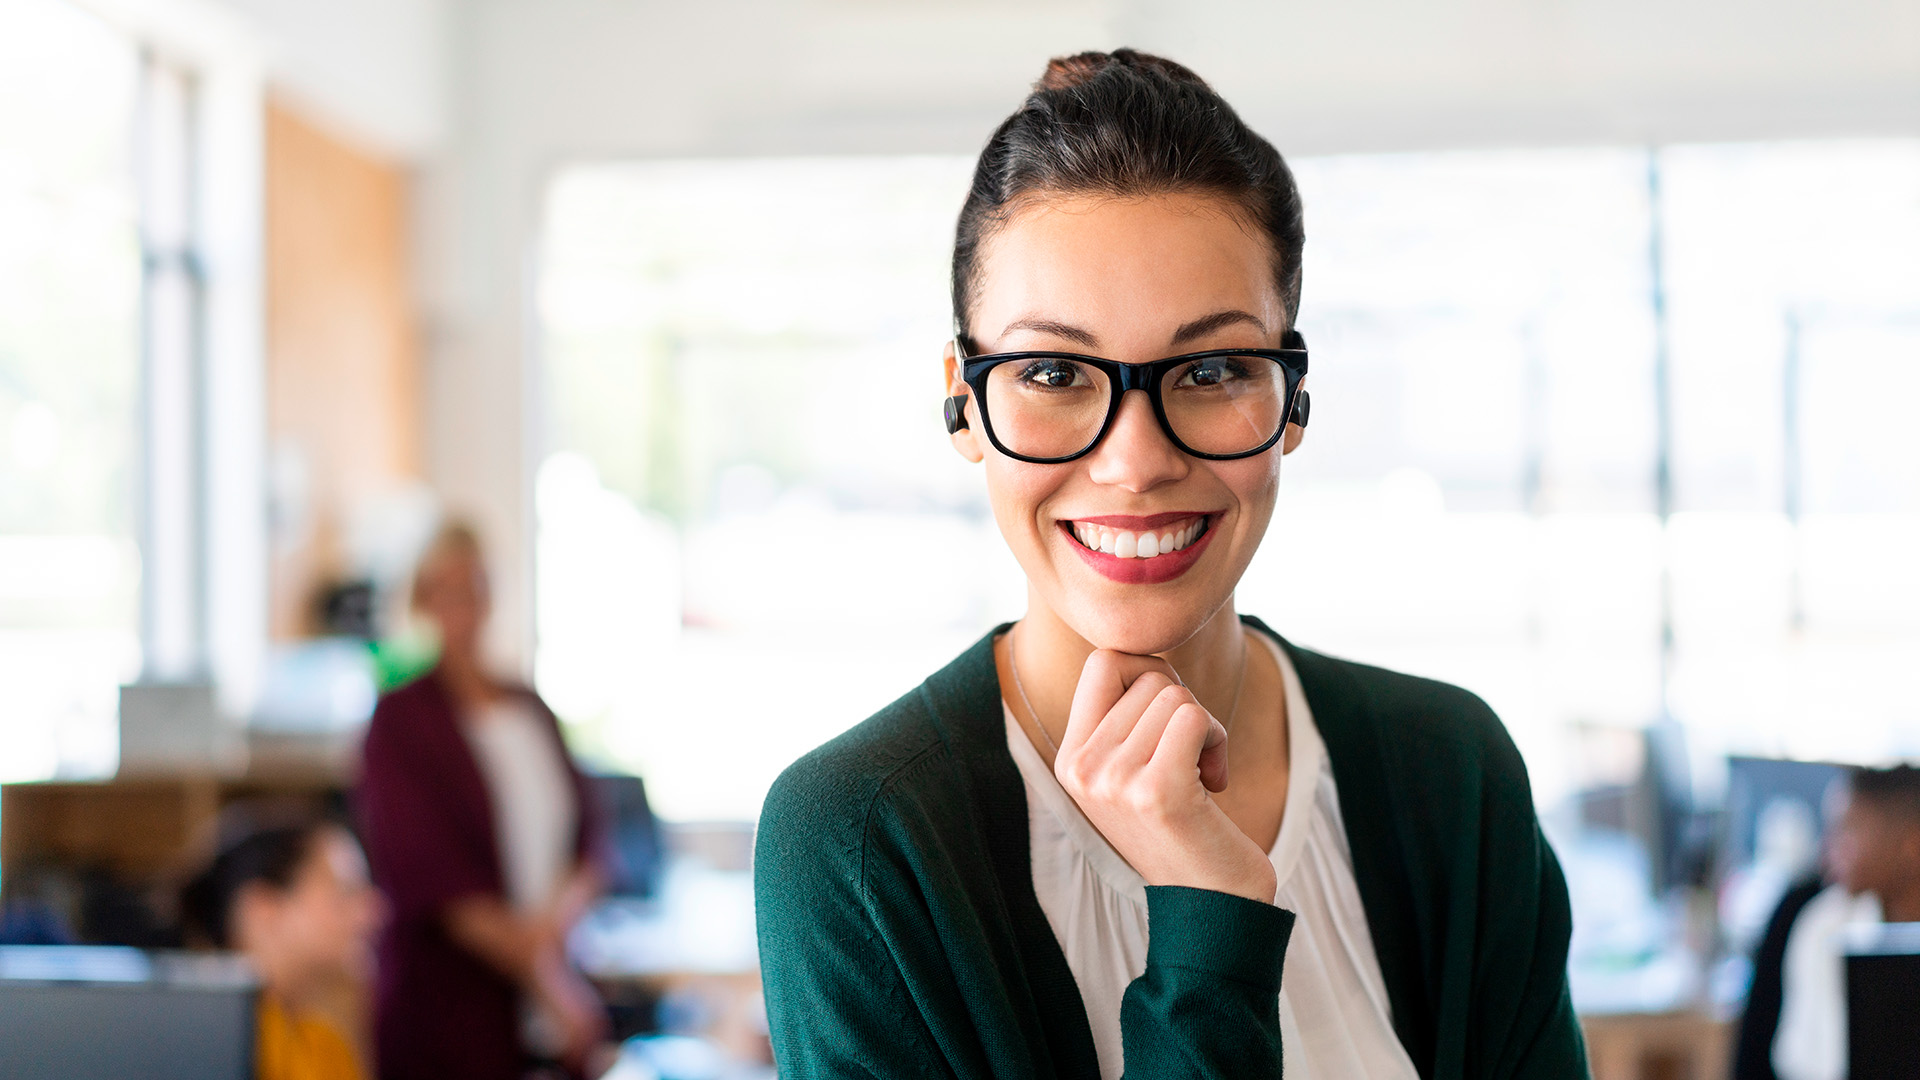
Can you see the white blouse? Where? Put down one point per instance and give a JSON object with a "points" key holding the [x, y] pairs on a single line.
{"points": [[532, 797], [534, 820], [1335, 1021], [1810, 1041]]}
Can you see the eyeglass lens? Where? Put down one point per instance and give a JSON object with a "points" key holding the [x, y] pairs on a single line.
{"points": [[1048, 407]]}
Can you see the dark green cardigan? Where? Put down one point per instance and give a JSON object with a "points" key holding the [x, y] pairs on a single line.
{"points": [[900, 935]]}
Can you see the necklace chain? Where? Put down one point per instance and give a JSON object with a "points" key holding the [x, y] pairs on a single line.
{"points": [[1013, 662]]}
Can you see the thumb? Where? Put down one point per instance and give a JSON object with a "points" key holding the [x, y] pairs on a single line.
{"points": [[1213, 757]]}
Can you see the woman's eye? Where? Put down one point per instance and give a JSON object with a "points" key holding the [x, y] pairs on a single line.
{"points": [[1054, 375], [1213, 372]]}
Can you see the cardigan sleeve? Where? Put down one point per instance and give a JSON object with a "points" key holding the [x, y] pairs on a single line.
{"points": [[1526, 1025], [863, 979], [1545, 1041], [421, 857], [1208, 1004], [838, 1005]]}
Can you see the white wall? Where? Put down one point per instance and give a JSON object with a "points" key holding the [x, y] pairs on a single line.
{"points": [[539, 82]]}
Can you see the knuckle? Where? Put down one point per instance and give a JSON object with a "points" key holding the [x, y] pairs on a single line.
{"points": [[1071, 771], [1191, 712], [1142, 799], [1154, 682], [1175, 695]]}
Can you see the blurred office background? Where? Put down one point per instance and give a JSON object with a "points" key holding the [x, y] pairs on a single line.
{"points": [[1615, 311]]}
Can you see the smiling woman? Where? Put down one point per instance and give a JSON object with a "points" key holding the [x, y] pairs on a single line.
{"points": [[1136, 832]]}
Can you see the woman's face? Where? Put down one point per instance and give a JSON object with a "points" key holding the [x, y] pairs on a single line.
{"points": [[322, 923], [1135, 280], [454, 593], [1874, 848]]}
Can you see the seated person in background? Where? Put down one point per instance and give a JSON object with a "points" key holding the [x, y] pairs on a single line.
{"points": [[1795, 1026], [484, 838], [296, 902]]}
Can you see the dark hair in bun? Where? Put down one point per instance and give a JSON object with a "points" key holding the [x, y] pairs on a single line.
{"points": [[270, 856], [1125, 124]]}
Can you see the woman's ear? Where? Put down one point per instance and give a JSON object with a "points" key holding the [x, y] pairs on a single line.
{"points": [[966, 440], [254, 915]]}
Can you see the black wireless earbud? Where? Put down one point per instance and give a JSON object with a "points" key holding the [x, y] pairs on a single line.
{"points": [[1301, 405], [955, 411]]}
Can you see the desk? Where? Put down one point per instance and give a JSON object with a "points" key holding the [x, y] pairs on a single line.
{"points": [[146, 835], [144, 829], [692, 948], [1658, 1046]]}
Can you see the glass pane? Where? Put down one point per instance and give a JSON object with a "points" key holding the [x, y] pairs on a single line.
{"points": [[1225, 404], [1047, 407], [69, 309]]}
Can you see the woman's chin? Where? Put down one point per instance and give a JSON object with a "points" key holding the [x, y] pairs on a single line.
{"points": [[1142, 633]]}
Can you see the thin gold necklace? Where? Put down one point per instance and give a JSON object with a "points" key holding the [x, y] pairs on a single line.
{"points": [[1013, 663]]}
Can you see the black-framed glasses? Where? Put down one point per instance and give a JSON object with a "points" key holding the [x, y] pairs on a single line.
{"points": [[1050, 407]]}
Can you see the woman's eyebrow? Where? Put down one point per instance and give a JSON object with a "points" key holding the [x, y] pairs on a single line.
{"points": [[1197, 328], [1056, 329], [1207, 324]]}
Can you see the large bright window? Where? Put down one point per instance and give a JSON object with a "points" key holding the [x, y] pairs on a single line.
{"points": [[70, 310], [1795, 276], [752, 531]]}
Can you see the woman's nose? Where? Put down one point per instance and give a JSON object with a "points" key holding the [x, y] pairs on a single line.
{"points": [[1136, 454]]}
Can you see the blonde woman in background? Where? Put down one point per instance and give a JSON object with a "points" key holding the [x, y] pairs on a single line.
{"points": [[483, 836]]}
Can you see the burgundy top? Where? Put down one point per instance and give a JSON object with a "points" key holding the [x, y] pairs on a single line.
{"points": [[440, 1011]]}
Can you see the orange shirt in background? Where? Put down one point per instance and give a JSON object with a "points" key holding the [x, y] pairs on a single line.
{"points": [[302, 1047]]}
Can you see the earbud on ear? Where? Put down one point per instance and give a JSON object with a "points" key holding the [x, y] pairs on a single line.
{"points": [[1301, 407], [955, 411]]}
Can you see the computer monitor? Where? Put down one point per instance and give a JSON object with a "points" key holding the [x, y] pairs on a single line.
{"points": [[1883, 1002], [82, 1012], [633, 835], [1754, 784]]}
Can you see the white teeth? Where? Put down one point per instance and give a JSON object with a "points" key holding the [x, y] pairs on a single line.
{"points": [[1142, 545]]}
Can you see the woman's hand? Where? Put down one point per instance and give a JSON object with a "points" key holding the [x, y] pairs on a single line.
{"points": [[531, 950], [1139, 757], [571, 1005]]}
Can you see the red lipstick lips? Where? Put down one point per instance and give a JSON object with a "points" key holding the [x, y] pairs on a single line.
{"points": [[1153, 571]]}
